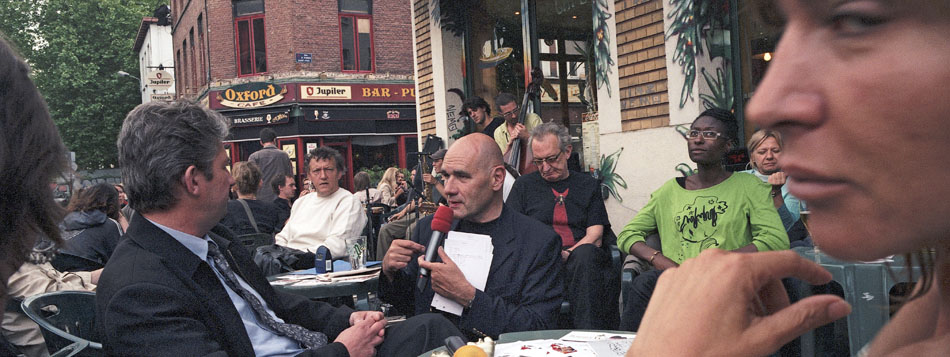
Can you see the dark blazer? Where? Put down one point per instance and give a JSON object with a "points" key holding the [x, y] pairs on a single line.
{"points": [[157, 298], [524, 288]]}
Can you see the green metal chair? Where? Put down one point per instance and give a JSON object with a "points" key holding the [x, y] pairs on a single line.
{"points": [[66, 317]]}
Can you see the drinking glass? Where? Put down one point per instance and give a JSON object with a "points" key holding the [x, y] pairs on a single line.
{"points": [[805, 213], [356, 251]]}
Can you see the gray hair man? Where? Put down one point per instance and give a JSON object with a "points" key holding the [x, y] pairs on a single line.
{"points": [[169, 282], [571, 203], [328, 217]]}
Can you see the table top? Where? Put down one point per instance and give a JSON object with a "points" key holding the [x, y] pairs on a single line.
{"points": [[534, 335], [328, 289]]}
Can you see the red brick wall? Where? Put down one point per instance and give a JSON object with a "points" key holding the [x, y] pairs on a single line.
{"points": [[292, 26]]}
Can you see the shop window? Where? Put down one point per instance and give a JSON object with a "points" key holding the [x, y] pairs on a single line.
{"points": [[374, 153]]}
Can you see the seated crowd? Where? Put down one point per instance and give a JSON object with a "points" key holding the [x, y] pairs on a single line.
{"points": [[174, 282]]}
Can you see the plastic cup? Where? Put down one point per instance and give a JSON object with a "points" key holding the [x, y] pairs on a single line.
{"points": [[356, 251]]}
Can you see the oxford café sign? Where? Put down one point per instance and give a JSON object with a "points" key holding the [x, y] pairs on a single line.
{"points": [[251, 95]]}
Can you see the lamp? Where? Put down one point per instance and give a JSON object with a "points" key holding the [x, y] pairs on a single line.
{"points": [[126, 74], [296, 112]]}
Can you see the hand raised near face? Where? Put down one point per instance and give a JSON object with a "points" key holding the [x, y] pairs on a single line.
{"points": [[399, 254], [740, 297], [777, 179]]}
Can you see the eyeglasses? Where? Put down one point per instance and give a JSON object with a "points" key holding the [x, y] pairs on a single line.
{"points": [[510, 113], [550, 160], [707, 134]]}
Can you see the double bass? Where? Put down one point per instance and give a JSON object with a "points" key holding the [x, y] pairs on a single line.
{"points": [[518, 155]]}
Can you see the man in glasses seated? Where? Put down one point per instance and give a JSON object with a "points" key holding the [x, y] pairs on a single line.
{"points": [[713, 208], [508, 107], [572, 204]]}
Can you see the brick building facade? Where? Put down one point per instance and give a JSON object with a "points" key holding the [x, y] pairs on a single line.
{"points": [[333, 73]]}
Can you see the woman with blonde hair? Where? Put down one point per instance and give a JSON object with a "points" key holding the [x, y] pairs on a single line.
{"points": [[247, 179], [765, 148], [389, 188]]}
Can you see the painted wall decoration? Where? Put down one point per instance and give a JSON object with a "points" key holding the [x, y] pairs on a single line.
{"points": [[701, 31], [610, 181], [604, 63]]}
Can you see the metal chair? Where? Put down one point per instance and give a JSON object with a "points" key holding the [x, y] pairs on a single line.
{"points": [[254, 240], [66, 317]]}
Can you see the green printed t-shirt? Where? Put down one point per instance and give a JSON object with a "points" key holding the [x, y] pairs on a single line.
{"points": [[728, 216]]}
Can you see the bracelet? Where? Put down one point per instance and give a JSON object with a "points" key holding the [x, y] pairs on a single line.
{"points": [[652, 257]]}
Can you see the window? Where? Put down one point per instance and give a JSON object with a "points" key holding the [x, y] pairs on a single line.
{"points": [[249, 30], [356, 35], [178, 84], [201, 48], [194, 69], [184, 58]]}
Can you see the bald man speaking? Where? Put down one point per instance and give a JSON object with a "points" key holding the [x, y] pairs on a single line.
{"points": [[523, 291]]}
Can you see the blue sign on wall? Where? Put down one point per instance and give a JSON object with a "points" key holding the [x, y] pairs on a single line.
{"points": [[304, 57]]}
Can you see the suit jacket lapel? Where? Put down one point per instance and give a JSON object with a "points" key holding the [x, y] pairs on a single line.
{"points": [[199, 277]]}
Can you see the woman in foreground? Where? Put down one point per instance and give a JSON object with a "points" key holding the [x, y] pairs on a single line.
{"points": [[858, 90]]}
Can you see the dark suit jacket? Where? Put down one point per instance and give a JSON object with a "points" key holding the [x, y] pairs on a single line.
{"points": [[157, 298], [524, 289]]}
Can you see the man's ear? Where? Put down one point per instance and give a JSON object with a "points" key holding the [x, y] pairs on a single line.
{"points": [[498, 178], [569, 150], [190, 182]]}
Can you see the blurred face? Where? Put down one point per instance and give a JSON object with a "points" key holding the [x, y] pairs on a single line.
{"points": [[123, 199], [704, 149], [478, 115], [548, 157], [859, 92], [437, 165], [325, 176], [289, 189], [400, 178], [765, 157], [470, 185]]}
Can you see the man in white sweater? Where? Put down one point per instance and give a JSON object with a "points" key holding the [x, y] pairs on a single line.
{"points": [[327, 217]]}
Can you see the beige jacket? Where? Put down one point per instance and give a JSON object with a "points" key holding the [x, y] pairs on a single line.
{"points": [[32, 279]]}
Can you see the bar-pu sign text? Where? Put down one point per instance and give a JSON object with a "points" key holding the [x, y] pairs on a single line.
{"points": [[251, 95]]}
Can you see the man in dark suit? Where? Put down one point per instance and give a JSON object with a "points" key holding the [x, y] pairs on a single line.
{"points": [[523, 291], [178, 286]]}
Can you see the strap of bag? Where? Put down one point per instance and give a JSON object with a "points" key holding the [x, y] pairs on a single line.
{"points": [[249, 215]]}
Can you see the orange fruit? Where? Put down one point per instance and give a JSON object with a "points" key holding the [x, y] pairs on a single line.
{"points": [[470, 351]]}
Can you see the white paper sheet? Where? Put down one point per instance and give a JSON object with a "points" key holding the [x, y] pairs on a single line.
{"points": [[472, 253]]}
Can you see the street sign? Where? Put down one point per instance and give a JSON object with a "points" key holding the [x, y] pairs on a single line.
{"points": [[162, 97], [159, 80], [304, 57]]}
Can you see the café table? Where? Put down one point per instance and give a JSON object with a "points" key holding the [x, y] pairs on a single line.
{"points": [[535, 335], [866, 286], [324, 290]]}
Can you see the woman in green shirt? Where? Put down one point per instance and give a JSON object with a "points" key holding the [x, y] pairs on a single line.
{"points": [[713, 208]]}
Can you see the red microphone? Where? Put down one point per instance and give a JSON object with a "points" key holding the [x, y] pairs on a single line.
{"points": [[441, 223]]}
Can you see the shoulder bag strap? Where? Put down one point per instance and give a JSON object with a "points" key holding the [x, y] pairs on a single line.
{"points": [[249, 215]]}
